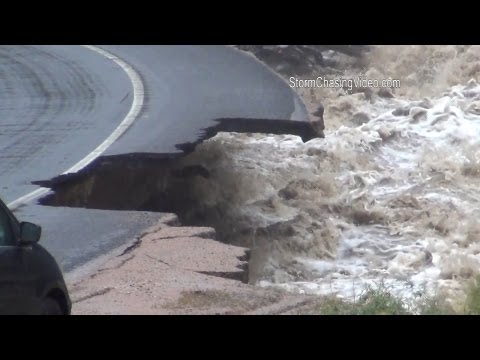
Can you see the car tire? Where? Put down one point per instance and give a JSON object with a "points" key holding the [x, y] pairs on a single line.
{"points": [[51, 307]]}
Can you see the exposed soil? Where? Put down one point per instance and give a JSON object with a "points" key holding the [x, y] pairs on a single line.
{"points": [[176, 270]]}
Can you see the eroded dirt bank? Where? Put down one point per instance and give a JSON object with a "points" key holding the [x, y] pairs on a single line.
{"points": [[177, 270]]}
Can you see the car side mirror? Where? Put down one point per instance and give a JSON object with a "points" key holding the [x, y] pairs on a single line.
{"points": [[29, 233]]}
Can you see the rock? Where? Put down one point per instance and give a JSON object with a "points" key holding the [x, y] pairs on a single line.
{"points": [[385, 93], [360, 118], [401, 111], [418, 114], [288, 193], [313, 151]]}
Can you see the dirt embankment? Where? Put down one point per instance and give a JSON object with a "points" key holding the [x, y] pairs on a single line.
{"points": [[176, 270]]}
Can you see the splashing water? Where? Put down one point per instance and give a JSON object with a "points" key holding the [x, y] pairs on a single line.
{"points": [[394, 199]]}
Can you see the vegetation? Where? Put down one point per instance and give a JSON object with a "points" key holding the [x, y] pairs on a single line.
{"points": [[379, 300], [472, 304]]}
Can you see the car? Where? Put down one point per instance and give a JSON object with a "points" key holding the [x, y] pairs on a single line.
{"points": [[31, 281]]}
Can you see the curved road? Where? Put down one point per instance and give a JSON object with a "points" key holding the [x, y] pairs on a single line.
{"points": [[59, 103]]}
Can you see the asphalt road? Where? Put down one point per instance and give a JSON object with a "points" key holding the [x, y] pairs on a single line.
{"points": [[59, 103]]}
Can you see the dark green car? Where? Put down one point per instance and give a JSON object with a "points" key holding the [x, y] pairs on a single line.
{"points": [[31, 282]]}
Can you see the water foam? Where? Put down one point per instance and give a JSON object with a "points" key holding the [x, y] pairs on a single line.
{"points": [[392, 199]]}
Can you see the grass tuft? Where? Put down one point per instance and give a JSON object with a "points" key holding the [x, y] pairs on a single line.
{"points": [[379, 300]]}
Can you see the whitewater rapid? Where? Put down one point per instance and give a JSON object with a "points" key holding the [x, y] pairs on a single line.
{"points": [[414, 198], [391, 199]]}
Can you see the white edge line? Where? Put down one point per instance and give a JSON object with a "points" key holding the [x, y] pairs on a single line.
{"points": [[138, 97]]}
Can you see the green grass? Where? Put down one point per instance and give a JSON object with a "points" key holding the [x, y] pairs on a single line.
{"points": [[373, 301], [472, 304], [379, 300], [435, 306]]}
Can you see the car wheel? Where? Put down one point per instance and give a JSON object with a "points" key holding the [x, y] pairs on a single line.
{"points": [[51, 307]]}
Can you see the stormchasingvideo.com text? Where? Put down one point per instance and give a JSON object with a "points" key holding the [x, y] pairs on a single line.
{"points": [[344, 83]]}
